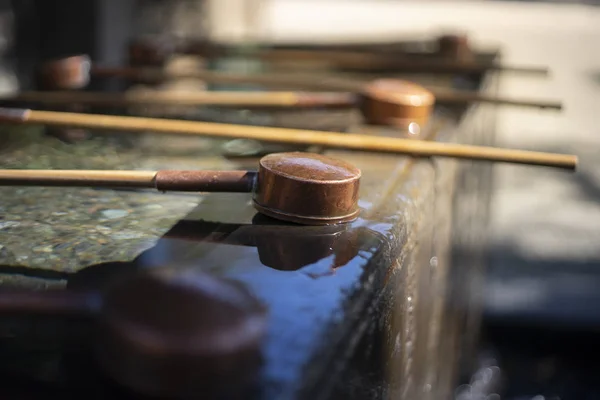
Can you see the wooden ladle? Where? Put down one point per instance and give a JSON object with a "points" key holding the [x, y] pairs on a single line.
{"points": [[304, 188]]}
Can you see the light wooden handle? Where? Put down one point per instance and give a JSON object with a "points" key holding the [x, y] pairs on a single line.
{"points": [[256, 99], [295, 136], [77, 178], [306, 81], [167, 180], [309, 82], [249, 99]]}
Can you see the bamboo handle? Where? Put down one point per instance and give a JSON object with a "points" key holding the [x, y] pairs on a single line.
{"points": [[248, 99], [460, 97], [295, 136], [271, 79], [357, 58], [264, 99], [167, 180], [320, 83], [78, 178], [542, 71], [365, 61]]}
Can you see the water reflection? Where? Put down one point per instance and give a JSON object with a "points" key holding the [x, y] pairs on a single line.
{"points": [[280, 263], [278, 245], [281, 246]]}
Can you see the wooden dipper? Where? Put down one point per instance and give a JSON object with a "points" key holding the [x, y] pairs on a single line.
{"points": [[151, 51], [385, 102], [382, 102], [455, 47], [397, 103], [164, 331], [69, 73], [304, 188]]}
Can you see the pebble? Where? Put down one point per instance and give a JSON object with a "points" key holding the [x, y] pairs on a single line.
{"points": [[127, 235], [81, 246], [114, 214], [43, 249], [103, 229], [9, 224]]}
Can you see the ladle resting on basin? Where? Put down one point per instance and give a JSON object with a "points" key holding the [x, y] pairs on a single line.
{"points": [[304, 188]]}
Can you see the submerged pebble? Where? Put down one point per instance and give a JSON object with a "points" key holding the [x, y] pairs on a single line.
{"points": [[127, 235], [9, 224], [114, 214], [43, 249]]}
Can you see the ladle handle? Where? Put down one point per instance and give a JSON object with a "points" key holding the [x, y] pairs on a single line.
{"points": [[525, 70], [362, 61], [297, 81], [166, 180], [51, 302], [250, 99], [461, 97], [205, 181], [348, 56], [290, 99], [272, 79], [246, 99], [295, 136]]}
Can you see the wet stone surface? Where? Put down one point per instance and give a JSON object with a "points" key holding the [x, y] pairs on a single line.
{"points": [[66, 229]]}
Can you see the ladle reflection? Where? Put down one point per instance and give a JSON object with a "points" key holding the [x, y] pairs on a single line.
{"points": [[281, 246]]}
